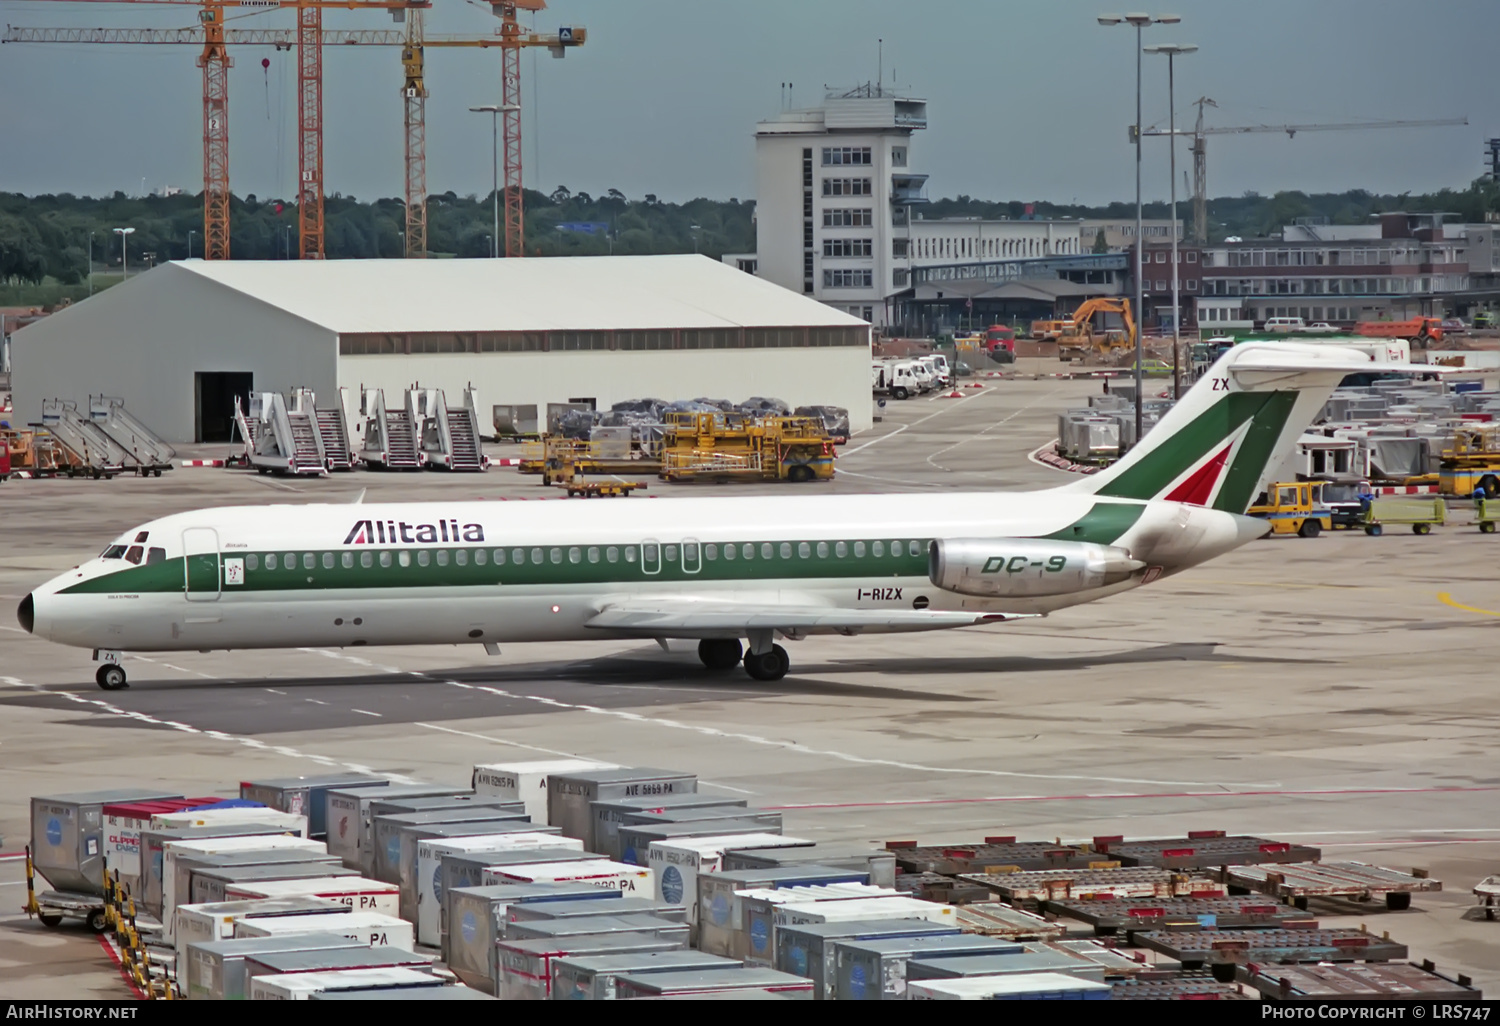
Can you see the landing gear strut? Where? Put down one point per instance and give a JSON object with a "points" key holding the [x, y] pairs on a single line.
{"points": [[769, 665], [720, 653], [111, 677]]}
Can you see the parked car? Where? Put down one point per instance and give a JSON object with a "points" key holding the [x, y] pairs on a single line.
{"points": [[1453, 324]]}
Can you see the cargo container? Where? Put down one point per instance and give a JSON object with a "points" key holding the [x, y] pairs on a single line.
{"points": [[347, 813], [884, 907], [1029, 961], [875, 970], [153, 854], [123, 823], [386, 833], [807, 949], [305, 796], [570, 795], [527, 781], [551, 910], [359, 894], [215, 970], [301, 986], [462, 871], [697, 982], [532, 959], [1021, 987], [878, 862], [173, 850], [277, 963], [214, 921], [592, 978], [606, 816], [197, 884], [428, 880], [371, 928], [441, 802], [635, 840], [630, 881], [721, 916], [231, 813], [756, 939], [411, 836], [678, 863], [194, 884], [579, 926], [67, 836], [478, 918], [453, 992], [769, 822]]}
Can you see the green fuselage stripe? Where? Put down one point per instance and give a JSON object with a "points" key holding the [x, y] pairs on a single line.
{"points": [[1101, 525]]}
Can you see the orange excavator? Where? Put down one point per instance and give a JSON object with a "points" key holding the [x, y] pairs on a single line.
{"points": [[1077, 337]]}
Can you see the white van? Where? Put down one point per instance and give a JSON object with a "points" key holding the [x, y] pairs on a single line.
{"points": [[938, 363], [1285, 324], [926, 377], [895, 378]]}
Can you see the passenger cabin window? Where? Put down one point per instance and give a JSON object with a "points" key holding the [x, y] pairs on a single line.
{"points": [[270, 561], [155, 555], [252, 561]]}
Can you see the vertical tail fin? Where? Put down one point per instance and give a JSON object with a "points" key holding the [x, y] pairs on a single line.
{"points": [[1240, 421]]}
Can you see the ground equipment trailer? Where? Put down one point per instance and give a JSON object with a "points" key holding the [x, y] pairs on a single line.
{"points": [[1129, 917], [1486, 513], [1293, 507], [1359, 881], [1422, 513], [1222, 950]]}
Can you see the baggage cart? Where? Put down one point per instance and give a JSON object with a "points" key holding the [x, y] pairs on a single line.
{"points": [[1391, 982], [1179, 914], [1221, 950], [1132, 882], [1197, 986], [1421, 512], [1357, 880], [1204, 851]]}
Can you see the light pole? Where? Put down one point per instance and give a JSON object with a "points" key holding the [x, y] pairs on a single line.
{"points": [[695, 229], [494, 110], [191, 233], [490, 243], [1173, 51], [91, 263], [124, 270], [1138, 22]]}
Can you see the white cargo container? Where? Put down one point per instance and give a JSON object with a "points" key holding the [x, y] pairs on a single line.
{"points": [[428, 879], [217, 846], [290, 822], [370, 928], [347, 813], [301, 986], [214, 921], [1023, 986], [751, 926], [359, 894], [678, 863], [215, 970], [614, 876], [527, 781], [570, 795], [897, 907], [67, 836]]}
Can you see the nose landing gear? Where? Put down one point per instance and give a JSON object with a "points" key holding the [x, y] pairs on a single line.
{"points": [[111, 677]]}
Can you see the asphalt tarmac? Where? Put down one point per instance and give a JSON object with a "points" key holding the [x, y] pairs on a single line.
{"points": [[1335, 691]]}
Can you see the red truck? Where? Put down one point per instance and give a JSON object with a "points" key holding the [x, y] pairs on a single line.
{"points": [[1000, 343]]}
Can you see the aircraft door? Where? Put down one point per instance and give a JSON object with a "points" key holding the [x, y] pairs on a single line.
{"points": [[200, 552]]}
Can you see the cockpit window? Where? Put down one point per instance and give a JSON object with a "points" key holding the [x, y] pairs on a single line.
{"points": [[155, 555], [113, 552], [133, 554], [142, 537]]}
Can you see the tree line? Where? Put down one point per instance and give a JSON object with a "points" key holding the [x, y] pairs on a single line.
{"points": [[49, 238]]}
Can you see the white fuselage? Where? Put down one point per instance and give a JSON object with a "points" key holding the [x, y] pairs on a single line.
{"points": [[492, 572]]}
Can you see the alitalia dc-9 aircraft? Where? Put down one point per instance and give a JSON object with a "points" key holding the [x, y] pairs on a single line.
{"points": [[718, 570]]}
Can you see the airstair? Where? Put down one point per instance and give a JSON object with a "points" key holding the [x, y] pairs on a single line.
{"points": [[450, 434], [392, 437], [282, 440], [152, 455], [91, 451], [331, 427]]}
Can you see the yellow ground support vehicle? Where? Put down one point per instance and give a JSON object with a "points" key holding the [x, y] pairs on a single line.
{"points": [[1293, 507], [1471, 463], [1419, 512], [726, 446]]}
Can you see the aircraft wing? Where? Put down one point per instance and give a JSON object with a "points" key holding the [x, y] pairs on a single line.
{"points": [[731, 620]]}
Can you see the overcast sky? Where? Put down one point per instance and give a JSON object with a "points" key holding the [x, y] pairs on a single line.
{"points": [[1025, 100]]}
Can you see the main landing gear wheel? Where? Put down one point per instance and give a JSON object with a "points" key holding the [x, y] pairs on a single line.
{"points": [[111, 678], [770, 665], [720, 653]]}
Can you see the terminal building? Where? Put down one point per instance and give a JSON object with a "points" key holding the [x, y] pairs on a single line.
{"points": [[839, 217], [181, 341]]}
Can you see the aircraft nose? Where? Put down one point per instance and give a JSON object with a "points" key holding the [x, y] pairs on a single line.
{"points": [[26, 613]]}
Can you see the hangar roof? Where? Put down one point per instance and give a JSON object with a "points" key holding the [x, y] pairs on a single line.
{"points": [[599, 293]]}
